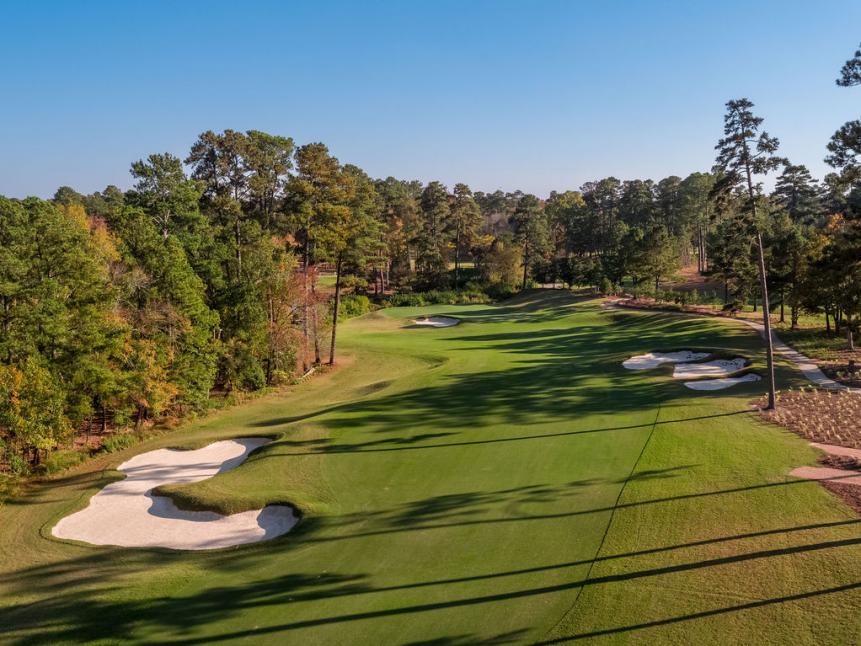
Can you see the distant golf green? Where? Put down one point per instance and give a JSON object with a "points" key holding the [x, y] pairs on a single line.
{"points": [[502, 481]]}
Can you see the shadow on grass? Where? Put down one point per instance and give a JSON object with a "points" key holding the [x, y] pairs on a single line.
{"points": [[79, 617], [556, 374]]}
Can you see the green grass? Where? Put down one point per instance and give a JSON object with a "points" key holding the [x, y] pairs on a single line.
{"points": [[816, 343], [505, 479]]}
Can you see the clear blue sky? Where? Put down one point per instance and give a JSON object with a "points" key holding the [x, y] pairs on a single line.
{"points": [[536, 95]]}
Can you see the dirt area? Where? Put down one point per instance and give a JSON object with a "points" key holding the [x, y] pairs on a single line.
{"points": [[689, 278], [824, 416]]}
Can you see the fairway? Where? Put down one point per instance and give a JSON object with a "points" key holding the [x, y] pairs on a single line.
{"points": [[505, 480]]}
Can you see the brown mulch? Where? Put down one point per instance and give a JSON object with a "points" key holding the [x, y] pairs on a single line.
{"points": [[844, 462], [824, 416], [839, 369]]}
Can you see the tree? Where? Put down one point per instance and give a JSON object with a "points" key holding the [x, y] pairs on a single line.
{"points": [[657, 255], [401, 219], [530, 231], [696, 209], [165, 303], [797, 192], [465, 220], [166, 194], [845, 144], [217, 160], [845, 247], [433, 236], [316, 196], [32, 408], [267, 159], [349, 232], [744, 153], [564, 214]]}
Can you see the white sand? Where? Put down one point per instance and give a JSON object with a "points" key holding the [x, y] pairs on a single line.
{"points": [[125, 513], [653, 359], [717, 368], [437, 321], [720, 384]]}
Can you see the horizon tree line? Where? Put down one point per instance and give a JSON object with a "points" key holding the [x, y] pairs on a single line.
{"points": [[121, 307]]}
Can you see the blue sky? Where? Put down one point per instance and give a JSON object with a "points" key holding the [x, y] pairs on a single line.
{"points": [[536, 95]]}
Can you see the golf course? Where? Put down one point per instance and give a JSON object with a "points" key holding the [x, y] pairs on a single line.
{"points": [[502, 480]]}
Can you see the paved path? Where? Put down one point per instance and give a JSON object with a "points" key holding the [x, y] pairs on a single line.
{"points": [[807, 365]]}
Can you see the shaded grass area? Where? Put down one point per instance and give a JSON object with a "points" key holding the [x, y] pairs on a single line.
{"points": [[502, 481], [814, 342]]}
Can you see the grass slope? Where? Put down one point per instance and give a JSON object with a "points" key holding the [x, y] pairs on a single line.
{"points": [[505, 480]]}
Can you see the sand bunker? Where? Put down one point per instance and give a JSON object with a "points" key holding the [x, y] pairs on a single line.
{"points": [[654, 359], [720, 384], [717, 368], [125, 513], [437, 321]]}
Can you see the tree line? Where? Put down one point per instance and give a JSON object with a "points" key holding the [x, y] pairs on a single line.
{"points": [[120, 307]]}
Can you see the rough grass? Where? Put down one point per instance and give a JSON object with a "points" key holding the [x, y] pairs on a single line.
{"points": [[505, 480]]}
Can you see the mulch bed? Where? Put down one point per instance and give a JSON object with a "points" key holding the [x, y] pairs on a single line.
{"points": [[840, 462], [826, 417]]}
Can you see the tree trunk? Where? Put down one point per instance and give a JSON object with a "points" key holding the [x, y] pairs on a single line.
{"points": [[793, 316], [238, 251], [335, 310], [763, 284], [305, 309], [766, 321], [827, 323], [525, 263], [457, 260], [850, 340]]}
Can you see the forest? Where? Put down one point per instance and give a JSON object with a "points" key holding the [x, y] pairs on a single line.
{"points": [[228, 270]]}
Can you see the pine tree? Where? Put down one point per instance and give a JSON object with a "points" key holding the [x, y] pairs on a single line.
{"points": [[744, 153]]}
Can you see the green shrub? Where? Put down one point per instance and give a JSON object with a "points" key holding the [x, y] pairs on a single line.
{"points": [[120, 441], [406, 300], [18, 466], [606, 286], [353, 305], [61, 460], [440, 297]]}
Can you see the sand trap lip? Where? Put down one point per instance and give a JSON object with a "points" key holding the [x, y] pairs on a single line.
{"points": [[126, 514], [654, 359], [437, 321], [716, 368], [720, 384], [844, 476]]}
